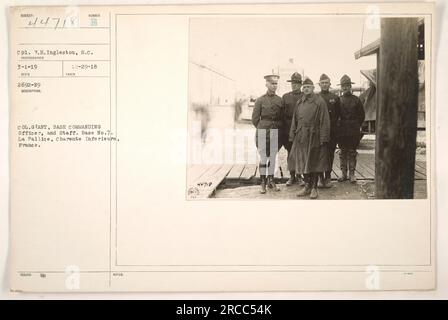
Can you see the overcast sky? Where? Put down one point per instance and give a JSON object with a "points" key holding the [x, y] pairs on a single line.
{"points": [[247, 48]]}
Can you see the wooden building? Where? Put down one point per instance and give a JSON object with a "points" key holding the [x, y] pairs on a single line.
{"points": [[370, 100], [398, 52], [209, 86]]}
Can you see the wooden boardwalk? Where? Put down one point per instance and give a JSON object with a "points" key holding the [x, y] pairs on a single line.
{"points": [[202, 180]]}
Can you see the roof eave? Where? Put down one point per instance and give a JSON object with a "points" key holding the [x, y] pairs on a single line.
{"points": [[368, 50], [374, 47]]}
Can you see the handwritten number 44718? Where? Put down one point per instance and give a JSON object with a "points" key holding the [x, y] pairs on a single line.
{"points": [[55, 23]]}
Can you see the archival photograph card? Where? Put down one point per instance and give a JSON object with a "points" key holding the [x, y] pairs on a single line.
{"points": [[223, 148]]}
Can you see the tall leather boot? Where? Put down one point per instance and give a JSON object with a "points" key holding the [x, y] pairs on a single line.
{"points": [[327, 179], [271, 183], [352, 165], [292, 178], [343, 165], [306, 190], [321, 180], [314, 178], [263, 184], [300, 180]]}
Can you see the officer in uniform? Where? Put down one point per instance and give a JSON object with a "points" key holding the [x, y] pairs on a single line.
{"points": [[267, 117], [289, 102], [349, 130], [310, 133], [334, 110]]}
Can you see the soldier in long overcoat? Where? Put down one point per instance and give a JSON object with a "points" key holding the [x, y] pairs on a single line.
{"points": [[310, 134], [267, 117]]}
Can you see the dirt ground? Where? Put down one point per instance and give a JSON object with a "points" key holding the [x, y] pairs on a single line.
{"points": [[362, 190]]}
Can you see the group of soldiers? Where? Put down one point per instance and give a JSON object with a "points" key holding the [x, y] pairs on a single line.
{"points": [[308, 126]]}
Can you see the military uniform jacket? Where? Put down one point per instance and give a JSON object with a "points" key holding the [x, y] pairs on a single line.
{"points": [[352, 115], [334, 110], [268, 112], [289, 104]]}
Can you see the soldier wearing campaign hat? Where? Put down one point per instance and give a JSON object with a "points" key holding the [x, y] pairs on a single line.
{"points": [[289, 102], [267, 117], [310, 133], [334, 110], [349, 130]]}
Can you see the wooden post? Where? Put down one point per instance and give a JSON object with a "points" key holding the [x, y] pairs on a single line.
{"points": [[396, 117]]}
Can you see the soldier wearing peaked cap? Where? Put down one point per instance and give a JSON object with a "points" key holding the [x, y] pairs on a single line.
{"points": [[310, 133], [349, 130], [334, 110], [267, 117], [289, 102]]}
